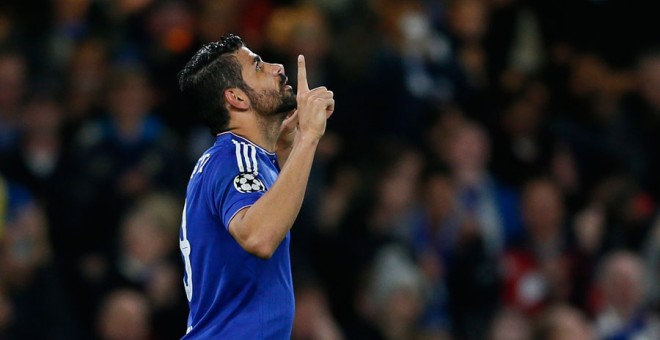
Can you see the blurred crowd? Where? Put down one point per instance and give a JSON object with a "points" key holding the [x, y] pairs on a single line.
{"points": [[491, 171]]}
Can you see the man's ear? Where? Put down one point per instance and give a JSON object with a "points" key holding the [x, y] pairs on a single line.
{"points": [[237, 98]]}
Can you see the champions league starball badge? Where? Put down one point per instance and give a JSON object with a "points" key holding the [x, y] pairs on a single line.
{"points": [[246, 183]]}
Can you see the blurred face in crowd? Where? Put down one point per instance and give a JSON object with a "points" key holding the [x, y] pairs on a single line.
{"points": [[42, 117], [310, 34], [268, 91], [145, 240], [649, 81], [468, 149], [172, 24], [543, 211], [313, 318], [124, 316], [510, 325], [401, 310], [24, 246], [440, 196], [69, 11], [522, 118], [130, 96], [210, 28], [588, 75], [468, 19], [398, 188], [163, 286], [5, 310], [565, 323], [87, 69], [12, 81], [623, 283]]}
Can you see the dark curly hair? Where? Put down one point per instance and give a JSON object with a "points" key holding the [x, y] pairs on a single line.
{"points": [[203, 80]]}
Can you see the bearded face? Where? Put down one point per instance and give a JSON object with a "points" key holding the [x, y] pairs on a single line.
{"points": [[273, 103]]}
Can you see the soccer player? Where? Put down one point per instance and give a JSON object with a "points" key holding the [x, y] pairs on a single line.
{"points": [[246, 190]]}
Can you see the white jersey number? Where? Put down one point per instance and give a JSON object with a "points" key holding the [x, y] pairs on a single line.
{"points": [[184, 245]]}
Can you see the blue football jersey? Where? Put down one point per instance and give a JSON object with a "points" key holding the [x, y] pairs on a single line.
{"points": [[232, 294]]}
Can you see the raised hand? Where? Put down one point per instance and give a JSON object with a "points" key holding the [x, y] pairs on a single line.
{"points": [[314, 106], [288, 132]]}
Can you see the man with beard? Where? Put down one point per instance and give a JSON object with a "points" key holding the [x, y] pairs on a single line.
{"points": [[240, 204]]}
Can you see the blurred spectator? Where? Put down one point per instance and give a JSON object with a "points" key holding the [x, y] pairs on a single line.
{"points": [[9, 30], [514, 41], [6, 311], [488, 222], [625, 296], [562, 323], [523, 145], [539, 272], [167, 42], [13, 84], [117, 159], [313, 318], [652, 259], [26, 272], [147, 238], [396, 194], [434, 241], [122, 156], [617, 216], [301, 30], [490, 206], [423, 71], [86, 77], [383, 216], [394, 296], [337, 198], [210, 28], [601, 136], [124, 316], [644, 106], [40, 161], [146, 262], [69, 22], [168, 303], [468, 21], [37, 159], [510, 325]]}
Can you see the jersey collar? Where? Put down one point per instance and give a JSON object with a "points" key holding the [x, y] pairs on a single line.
{"points": [[246, 140]]}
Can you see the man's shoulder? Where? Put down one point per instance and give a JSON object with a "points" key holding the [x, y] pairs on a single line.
{"points": [[230, 154], [219, 159]]}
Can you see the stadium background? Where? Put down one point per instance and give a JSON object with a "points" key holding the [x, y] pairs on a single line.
{"points": [[491, 170]]}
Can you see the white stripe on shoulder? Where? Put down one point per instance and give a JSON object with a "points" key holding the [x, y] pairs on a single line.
{"points": [[248, 164], [255, 166], [239, 157]]}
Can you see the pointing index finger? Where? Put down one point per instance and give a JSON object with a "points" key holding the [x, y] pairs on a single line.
{"points": [[302, 75]]}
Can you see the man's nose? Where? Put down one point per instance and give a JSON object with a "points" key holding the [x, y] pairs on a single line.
{"points": [[278, 69]]}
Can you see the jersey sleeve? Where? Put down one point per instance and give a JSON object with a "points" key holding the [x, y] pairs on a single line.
{"points": [[238, 183]]}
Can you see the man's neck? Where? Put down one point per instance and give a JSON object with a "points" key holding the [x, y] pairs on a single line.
{"points": [[261, 131]]}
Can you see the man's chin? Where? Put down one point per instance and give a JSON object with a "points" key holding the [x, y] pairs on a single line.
{"points": [[282, 112], [289, 103], [285, 112]]}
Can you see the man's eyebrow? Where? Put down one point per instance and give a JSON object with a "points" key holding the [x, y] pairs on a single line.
{"points": [[256, 59]]}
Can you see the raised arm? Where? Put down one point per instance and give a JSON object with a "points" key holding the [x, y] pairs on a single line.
{"points": [[260, 228]]}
